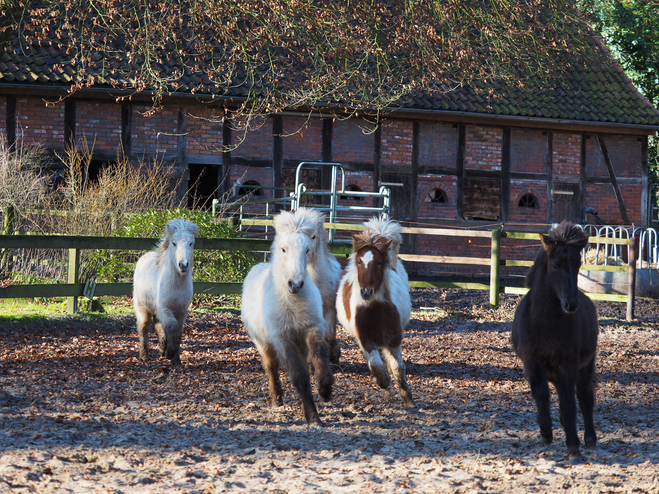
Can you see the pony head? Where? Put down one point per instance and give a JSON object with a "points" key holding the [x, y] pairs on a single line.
{"points": [[179, 242], [371, 259], [388, 229], [562, 258], [292, 247]]}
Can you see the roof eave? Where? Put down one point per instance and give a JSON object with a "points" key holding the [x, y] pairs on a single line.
{"points": [[406, 113]]}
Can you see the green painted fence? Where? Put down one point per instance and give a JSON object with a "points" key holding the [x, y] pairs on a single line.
{"points": [[74, 288]]}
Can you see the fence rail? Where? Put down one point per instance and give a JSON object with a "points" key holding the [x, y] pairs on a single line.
{"points": [[74, 288]]}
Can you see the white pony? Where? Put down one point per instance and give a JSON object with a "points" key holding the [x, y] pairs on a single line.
{"points": [[373, 301], [282, 310], [325, 271], [162, 289]]}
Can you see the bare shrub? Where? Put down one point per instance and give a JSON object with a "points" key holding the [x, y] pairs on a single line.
{"points": [[101, 207], [23, 176]]}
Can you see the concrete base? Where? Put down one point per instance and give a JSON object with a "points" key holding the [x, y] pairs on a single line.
{"points": [[647, 282]]}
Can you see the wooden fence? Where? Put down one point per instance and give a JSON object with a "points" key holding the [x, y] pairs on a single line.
{"points": [[74, 288]]}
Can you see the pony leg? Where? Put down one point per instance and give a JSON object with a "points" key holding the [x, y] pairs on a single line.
{"points": [[375, 364], [568, 412], [270, 364], [170, 336], [537, 377], [333, 344], [162, 338], [396, 364], [298, 373], [143, 323], [321, 364], [586, 396]]}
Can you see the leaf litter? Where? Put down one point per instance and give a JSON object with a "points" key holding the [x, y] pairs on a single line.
{"points": [[80, 413]]}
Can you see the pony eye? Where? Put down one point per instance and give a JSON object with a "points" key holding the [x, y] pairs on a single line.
{"points": [[313, 238], [283, 250], [174, 244], [307, 251], [380, 263]]}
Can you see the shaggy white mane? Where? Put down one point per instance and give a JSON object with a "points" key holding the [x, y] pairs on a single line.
{"points": [[388, 229], [303, 220]]}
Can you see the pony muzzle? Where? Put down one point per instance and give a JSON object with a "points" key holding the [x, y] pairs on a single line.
{"points": [[295, 286], [367, 293], [183, 266], [570, 306]]}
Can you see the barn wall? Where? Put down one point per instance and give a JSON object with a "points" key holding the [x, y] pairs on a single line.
{"points": [[254, 141], [396, 146], [353, 143], [3, 113], [99, 124], [424, 154], [154, 133], [204, 126], [40, 122], [483, 148]]}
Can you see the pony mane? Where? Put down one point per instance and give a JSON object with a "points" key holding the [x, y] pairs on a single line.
{"points": [[566, 234], [390, 230], [369, 239], [171, 228], [305, 220]]}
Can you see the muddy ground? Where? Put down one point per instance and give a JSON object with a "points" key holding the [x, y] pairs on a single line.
{"points": [[80, 413]]}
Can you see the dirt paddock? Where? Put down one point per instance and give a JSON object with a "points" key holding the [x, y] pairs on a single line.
{"points": [[80, 413]]}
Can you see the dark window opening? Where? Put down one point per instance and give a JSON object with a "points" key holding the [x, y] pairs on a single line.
{"points": [[95, 169], [528, 201], [437, 196], [202, 186], [352, 188], [481, 198], [249, 187]]}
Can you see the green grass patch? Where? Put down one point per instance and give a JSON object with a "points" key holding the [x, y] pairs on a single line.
{"points": [[24, 309]]}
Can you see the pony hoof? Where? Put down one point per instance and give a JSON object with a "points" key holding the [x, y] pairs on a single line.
{"points": [[409, 403], [590, 442], [547, 436], [314, 422], [575, 459]]}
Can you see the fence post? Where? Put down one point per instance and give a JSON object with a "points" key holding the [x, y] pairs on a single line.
{"points": [[494, 268], [631, 278], [73, 274], [7, 229]]}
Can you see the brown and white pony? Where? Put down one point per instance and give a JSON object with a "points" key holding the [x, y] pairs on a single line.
{"points": [[373, 302]]}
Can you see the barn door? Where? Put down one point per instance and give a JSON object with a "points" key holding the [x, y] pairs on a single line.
{"points": [[310, 177], [565, 202], [400, 185], [481, 198]]}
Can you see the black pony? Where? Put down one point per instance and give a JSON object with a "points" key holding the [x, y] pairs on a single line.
{"points": [[554, 333]]}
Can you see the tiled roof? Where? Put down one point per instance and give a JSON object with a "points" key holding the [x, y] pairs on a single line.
{"points": [[598, 91]]}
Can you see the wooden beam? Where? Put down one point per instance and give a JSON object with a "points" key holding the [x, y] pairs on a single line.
{"points": [[227, 136], [459, 165], [505, 175], [614, 180], [278, 155], [126, 128], [549, 151], [69, 121], [10, 120]]}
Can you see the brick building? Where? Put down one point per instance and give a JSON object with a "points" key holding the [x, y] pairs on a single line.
{"points": [[465, 158]]}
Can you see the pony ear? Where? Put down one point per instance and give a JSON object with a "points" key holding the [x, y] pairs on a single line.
{"points": [[359, 240], [547, 242], [580, 240], [383, 244]]}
